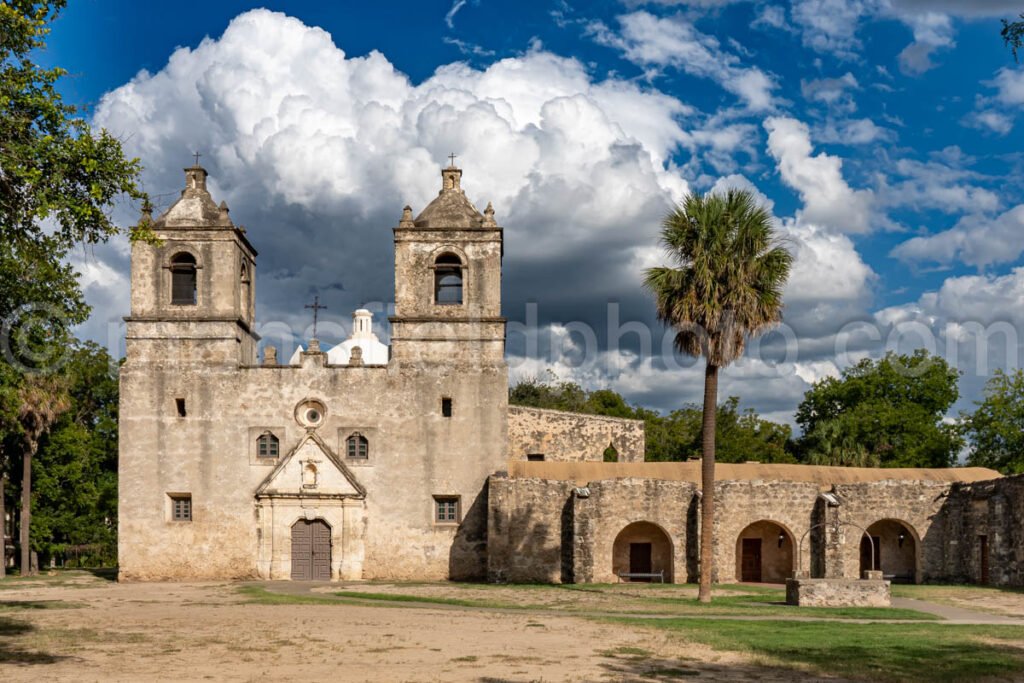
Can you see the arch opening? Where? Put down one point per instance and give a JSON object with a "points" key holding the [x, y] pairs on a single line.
{"points": [[183, 279], [642, 548], [894, 549], [765, 553], [448, 279]]}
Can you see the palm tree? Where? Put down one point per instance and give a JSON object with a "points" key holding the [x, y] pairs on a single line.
{"points": [[42, 399], [726, 285]]}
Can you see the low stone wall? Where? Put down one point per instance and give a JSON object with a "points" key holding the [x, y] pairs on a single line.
{"points": [[572, 437], [838, 593]]}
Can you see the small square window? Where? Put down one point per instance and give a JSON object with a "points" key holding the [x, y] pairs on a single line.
{"points": [[446, 509], [446, 407], [535, 457], [181, 507]]}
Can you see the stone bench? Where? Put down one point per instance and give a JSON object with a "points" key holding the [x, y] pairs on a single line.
{"points": [[660, 576], [872, 592]]}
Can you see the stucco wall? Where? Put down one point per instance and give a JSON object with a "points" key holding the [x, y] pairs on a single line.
{"points": [[572, 437]]}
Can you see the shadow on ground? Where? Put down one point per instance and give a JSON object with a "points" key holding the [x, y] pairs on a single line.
{"points": [[11, 653]]}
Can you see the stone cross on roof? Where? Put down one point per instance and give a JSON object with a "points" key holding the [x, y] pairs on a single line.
{"points": [[316, 309]]}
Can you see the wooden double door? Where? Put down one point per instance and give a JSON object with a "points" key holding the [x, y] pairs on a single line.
{"points": [[311, 550]]}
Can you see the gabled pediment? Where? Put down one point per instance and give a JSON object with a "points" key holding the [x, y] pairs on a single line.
{"points": [[311, 469]]}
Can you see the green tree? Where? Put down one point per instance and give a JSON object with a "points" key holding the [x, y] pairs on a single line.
{"points": [[725, 285], [74, 497], [52, 165], [886, 413], [1013, 35], [995, 431]]}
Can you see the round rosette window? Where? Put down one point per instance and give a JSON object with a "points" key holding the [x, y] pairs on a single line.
{"points": [[310, 413]]}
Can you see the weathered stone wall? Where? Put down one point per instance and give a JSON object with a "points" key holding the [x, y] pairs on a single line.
{"points": [[740, 504], [609, 506], [993, 510], [838, 593], [529, 531], [572, 437]]}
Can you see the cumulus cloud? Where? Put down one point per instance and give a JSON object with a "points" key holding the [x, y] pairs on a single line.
{"points": [[828, 200], [298, 136], [945, 183], [1010, 84], [975, 240], [651, 41]]}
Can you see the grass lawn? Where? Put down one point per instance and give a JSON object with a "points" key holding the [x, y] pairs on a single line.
{"points": [[876, 652], [591, 600]]}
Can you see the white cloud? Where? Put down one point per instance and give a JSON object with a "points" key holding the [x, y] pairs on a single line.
{"points": [[854, 132], [831, 25], [828, 200], [649, 41], [942, 183], [1010, 83], [833, 92], [975, 240], [449, 18], [932, 31]]}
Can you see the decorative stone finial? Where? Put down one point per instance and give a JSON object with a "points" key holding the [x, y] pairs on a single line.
{"points": [[489, 217], [270, 355], [406, 221], [314, 346], [356, 356]]}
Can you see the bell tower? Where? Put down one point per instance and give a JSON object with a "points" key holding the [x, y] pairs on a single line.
{"points": [[193, 292], [448, 281]]}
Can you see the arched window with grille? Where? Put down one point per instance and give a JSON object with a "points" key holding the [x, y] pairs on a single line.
{"points": [[267, 446], [448, 280], [358, 446], [183, 279]]}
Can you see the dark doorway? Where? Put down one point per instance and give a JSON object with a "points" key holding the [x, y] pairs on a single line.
{"points": [[983, 550], [750, 567], [869, 560], [640, 560], [311, 550]]}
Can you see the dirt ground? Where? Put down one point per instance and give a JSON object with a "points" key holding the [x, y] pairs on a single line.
{"points": [[1005, 602], [104, 631]]}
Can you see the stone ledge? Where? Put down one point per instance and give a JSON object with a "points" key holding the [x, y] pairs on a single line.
{"points": [[838, 593]]}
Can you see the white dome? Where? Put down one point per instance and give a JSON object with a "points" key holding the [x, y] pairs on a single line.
{"points": [[374, 352]]}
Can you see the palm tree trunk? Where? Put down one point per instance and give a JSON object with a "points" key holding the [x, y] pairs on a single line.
{"points": [[707, 482], [26, 512]]}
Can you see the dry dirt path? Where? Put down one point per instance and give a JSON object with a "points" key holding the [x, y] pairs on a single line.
{"points": [[205, 631]]}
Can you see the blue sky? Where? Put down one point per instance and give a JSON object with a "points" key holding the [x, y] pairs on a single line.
{"points": [[884, 134]]}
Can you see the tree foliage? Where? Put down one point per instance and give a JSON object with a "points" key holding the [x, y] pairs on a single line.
{"points": [[886, 413], [74, 491], [52, 165], [995, 431], [1013, 35]]}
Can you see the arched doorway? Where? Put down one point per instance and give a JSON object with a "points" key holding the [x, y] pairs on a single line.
{"points": [[311, 550], [764, 553], [642, 548], [895, 550]]}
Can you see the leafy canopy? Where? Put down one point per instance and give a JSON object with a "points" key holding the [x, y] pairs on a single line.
{"points": [[728, 275], [1013, 35], [996, 429], [886, 413]]}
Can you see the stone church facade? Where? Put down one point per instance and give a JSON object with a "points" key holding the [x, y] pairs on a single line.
{"points": [[406, 462]]}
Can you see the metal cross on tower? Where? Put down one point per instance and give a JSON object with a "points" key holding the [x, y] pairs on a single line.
{"points": [[197, 155], [451, 160], [316, 310]]}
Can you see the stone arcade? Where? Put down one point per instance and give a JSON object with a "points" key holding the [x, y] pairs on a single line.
{"points": [[406, 462]]}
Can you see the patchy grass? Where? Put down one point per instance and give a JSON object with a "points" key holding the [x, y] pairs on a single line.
{"points": [[876, 652], [261, 596], [11, 605], [989, 599]]}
